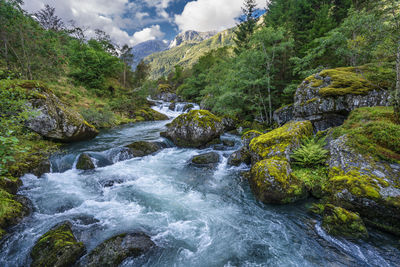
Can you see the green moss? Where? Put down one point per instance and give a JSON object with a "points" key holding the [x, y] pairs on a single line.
{"points": [[10, 209], [315, 179], [202, 118], [349, 80], [250, 134], [341, 222], [281, 140], [373, 131], [58, 247], [272, 182]]}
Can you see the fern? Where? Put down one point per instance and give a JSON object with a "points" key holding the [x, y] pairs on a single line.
{"points": [[311, 153]]}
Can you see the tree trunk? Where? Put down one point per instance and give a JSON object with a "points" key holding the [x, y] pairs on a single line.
{"points": [[124, 74], [397, 89]]}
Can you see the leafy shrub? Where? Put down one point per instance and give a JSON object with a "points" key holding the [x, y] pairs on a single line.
{"points": [[311, 153], [100, 118]]}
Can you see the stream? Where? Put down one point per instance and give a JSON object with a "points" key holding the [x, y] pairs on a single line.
{"points": [[197, 217]]}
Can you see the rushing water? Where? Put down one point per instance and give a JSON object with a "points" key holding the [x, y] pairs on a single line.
{"points": [[196, 217]]}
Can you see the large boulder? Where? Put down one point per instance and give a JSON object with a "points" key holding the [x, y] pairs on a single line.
{"points": [[283, 115], [58, 247], [281, 141], [85, 162], [239, 157], [53, 119], [198, 128], [143, 148], [114, 251], [327, 98], [272, 182]]}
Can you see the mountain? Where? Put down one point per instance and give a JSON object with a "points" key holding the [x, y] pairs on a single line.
{"points": [[186, 49], [191, 37], [142, 50]]}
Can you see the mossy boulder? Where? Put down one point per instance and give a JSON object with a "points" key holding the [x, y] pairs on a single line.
{"points": [[149, 114], [58, 247], [248, 136], [272, 182], [239, 157], [338, 221], [52, 118], [85, 162], [12, 210], [112, 252], [210, 159], [281, 141], [143, 148], [283, 114], [198, 128], [328, 97]]}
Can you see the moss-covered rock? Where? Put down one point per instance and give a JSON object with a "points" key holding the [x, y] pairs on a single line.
{"points": [[85, 162], [281, 141], [272, 182], [53, 119], [328, 97], [12, 210], [149, 114], [239, 157], [115, 250], [143, 148], [283, 114], [341, 222], [248, 136], [194, 129], [58, 247], [210, 159]]}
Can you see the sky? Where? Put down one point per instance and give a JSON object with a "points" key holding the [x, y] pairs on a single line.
{"points": [[135, 21]]}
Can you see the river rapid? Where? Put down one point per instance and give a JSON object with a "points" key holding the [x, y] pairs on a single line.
{"points": [[197, 217]]}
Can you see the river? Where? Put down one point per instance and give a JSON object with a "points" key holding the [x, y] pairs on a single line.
{"points": [[197, 217]]}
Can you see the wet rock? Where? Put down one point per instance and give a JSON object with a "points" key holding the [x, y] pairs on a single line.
{"points": [[149, 114], [111, 183], [195, 129], [228, 143], [248, 136], [210, 159], [12, 210], [327, 98], [85, 162], [239, 157], [143, 148], [272, 182], [172, 106], [58, 247], [341, 222], [229, 123], [54, 119], [42, 168], [115, 250], [188, 107], [283, 115], [167, 97]]}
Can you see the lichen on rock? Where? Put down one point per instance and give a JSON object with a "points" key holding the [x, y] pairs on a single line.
{"points": [[58, 247]]}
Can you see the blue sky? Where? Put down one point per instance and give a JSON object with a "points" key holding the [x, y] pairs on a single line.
{"points": [[135, 21]]}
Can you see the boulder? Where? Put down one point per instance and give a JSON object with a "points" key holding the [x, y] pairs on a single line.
{"points": [[194, 129], [341, 222], [210, 159], [229, 123], [248, 136], [85, 162], [12, 210], [228, 143], [283, 115], [327, 98], [43, 167], [55, 120], [114, 251], [149, 114], [272, 182], [188, 107], [281, 141], [167, 97], [143, 148], [172, 106], [58, 247], [239, 157]]}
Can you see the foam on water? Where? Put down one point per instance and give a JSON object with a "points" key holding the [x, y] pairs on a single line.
{"points": [[198, 217]]}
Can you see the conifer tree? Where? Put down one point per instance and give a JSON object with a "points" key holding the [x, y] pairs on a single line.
{"points": [[246, 28]]}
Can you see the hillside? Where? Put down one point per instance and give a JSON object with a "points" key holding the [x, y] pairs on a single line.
{"points": [[186, 54], [142, 50]]}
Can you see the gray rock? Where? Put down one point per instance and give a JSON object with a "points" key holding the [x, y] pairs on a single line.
{"points": [[143, 148], [210, 159], [239, 157], [168, 97], [42, 168], [198, 128], [172, 106], [283, 115], [85, 162], [228, 143], [56, 121], [112, 252]]}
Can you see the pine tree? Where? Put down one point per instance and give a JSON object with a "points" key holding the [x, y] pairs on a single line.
{"points": [[246, 28]]}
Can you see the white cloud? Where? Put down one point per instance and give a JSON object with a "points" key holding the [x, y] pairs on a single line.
{"points": [[109, 16], [208, 15], [160, 6]]}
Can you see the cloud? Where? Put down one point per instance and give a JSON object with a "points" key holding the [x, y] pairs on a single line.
{"points": [[160, 6], [113, 17], [208, 15]]}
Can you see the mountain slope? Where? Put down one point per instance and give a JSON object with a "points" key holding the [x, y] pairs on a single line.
{"points": [[191, 37], [186, 53], [142, 50]]}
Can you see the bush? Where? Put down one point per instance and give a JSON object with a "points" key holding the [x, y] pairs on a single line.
{"points": [[311, 153], [100, 118]]}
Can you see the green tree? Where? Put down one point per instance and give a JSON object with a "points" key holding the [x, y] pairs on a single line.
{"points": [[246, 28], [127, 58]]}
